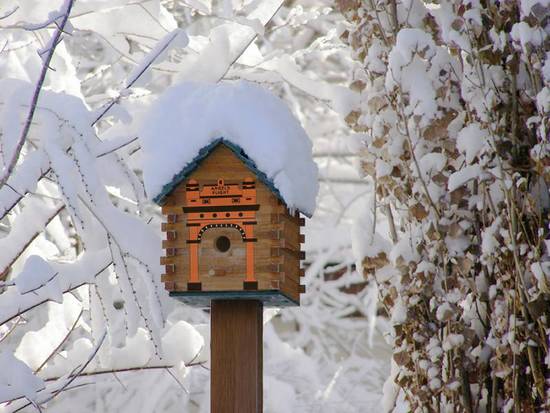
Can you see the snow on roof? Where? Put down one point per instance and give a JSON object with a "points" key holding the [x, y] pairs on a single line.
{"points": [[191, 116]]}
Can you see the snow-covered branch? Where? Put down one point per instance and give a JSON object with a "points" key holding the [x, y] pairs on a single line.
{"points": [[46, 56]]}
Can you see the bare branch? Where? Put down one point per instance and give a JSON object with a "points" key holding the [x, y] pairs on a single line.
{"points": [[8, 14], [119, 146]]}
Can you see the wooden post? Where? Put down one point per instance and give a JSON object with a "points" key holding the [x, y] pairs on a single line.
{"points": [[236, 348]]}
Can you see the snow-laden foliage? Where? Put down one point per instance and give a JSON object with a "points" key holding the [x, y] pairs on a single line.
{"points": [[454, 114], [81, 307]]}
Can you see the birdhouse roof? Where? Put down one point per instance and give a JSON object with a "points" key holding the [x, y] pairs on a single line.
{"points": [[203, 153], [189, 120]]}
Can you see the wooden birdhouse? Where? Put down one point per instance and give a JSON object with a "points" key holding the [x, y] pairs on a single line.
{"points": [[229, 233]]}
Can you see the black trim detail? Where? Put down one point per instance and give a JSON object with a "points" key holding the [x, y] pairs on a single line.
{"points": [[224, 184], [255, 207], [193, 241], [193, 224], [194, 286], [250, 285], [250, 222], [221, 225], [250, 240], [221, 196]]}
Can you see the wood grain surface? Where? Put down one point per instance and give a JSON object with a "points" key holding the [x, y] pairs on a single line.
{"points": [[236, 348]]}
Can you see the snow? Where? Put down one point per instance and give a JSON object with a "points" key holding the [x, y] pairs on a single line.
{"points": [[452, 341], [341, 98], [70, 276], [36, 273], [462, 176], [524, 34], [408, 68], [471, 141], [182, 344], [444, 312], [20, 382], [32, 220], [189, 116]]}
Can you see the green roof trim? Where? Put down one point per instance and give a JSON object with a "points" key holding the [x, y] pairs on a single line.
{"points": [[203, 153], [203, 299]]}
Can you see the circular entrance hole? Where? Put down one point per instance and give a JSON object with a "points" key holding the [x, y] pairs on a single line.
{"points": [[223, 244]]}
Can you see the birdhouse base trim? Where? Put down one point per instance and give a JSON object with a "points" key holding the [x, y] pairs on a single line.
{"points": [[194, 286], [250, 285], [202, 299]]}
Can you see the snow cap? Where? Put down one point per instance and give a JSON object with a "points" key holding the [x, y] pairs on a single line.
{"points": [[191, 116]]}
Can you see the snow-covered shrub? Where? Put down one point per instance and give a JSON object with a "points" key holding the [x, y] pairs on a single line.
{"points": [[454, 114]]}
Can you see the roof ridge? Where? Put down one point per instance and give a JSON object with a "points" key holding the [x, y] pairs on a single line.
{"points": [[202, 154]]}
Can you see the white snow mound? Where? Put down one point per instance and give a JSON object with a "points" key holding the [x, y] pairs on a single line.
{"points": [[189, 116]]}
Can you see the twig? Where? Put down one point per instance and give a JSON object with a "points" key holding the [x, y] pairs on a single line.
{"points": [[61, 343], [80, 370], [8, 14], [151, 60], [41, 285], [176, 380], [126, 370], [31, 239], [122, 145], [24, 310]]}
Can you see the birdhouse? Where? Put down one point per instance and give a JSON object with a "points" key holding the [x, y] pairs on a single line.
{"points": [[229, 232]]}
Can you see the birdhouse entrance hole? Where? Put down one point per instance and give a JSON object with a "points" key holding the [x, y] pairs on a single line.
{"points": [[223, 244]]}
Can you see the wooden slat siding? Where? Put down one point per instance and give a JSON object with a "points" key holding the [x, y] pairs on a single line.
{"points": [[223, 164], [280, 216], [292, 288], [168, 260], [175, 226], [236, 359], [170, 209], [290, 269], [278, 251], [170, 285]]}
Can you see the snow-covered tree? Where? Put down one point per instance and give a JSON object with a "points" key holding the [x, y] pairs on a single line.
{"points": [[454, 114], [81, 306]]}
